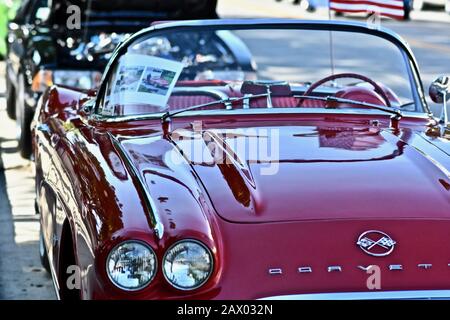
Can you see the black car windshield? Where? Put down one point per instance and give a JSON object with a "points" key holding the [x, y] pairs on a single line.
{"points": [[175, 70], [93, 11]]}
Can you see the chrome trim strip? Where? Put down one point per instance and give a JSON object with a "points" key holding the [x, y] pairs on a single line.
{"points": [[256, 111], [158, 227], [365, 295], [395, 267]]}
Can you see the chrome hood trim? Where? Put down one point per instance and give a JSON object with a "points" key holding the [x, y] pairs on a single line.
{"points": [[157, 226]]}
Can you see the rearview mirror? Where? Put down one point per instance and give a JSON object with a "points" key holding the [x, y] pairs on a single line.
{"points": [[440, 93]]}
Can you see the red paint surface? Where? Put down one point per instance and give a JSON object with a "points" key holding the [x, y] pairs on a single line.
{"points": [[338, 176]]}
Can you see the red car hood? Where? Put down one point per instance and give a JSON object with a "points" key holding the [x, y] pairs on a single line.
{"points": [[333, 182], [326, 172]]}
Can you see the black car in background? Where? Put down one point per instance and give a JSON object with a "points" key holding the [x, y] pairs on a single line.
{"points": [[45, 45]]}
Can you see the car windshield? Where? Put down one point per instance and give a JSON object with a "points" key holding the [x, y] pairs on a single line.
{"points": [[133, 11], [173, 70]]}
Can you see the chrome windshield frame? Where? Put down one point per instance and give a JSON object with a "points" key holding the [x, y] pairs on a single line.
{"points": [[239, 24], [259, 111]]}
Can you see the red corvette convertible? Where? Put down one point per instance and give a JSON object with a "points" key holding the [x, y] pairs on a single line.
{"points": [[304, 180]]}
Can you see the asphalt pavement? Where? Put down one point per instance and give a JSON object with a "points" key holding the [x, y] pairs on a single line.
{"points": [[22, 276]]}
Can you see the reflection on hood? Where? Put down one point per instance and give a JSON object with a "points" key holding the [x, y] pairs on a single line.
{"points": [[349, 138]]}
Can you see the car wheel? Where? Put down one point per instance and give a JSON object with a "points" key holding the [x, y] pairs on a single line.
{"points": [[10, 99], [67, 259], [43, 252], [24, 116]]}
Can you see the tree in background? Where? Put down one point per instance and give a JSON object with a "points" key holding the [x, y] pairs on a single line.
{"points": [[7, 12]]}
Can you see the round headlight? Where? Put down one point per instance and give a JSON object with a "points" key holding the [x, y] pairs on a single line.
{"points": [[187, 265], [131, 265]]}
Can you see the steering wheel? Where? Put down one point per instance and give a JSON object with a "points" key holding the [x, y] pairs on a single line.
{"points": [[376, 86]]}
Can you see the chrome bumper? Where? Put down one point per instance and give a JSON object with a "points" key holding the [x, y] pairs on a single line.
{"points": [[372, 295]]}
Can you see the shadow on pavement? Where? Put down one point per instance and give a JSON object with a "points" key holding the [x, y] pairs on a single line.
{"points": [[22, 277]]}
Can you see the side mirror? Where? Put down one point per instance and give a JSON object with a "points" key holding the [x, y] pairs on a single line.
{"points": [[440, 93]]}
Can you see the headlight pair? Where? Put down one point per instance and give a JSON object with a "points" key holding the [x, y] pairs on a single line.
{"points": [[187, 265]]}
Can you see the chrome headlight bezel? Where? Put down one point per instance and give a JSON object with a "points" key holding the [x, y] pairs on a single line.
{"points": [[211, 268], [155, 270]]}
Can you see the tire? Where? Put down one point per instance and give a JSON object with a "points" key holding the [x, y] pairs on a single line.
{"points": [[24, 116], [66, 259], [10, 99], [43, 252]]}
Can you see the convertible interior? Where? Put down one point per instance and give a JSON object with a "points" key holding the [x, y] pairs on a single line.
{"points": [[187, 94]]}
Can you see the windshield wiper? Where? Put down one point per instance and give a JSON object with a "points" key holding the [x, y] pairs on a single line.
{"points": [[396, 112], [411, 103], [227, 102]]}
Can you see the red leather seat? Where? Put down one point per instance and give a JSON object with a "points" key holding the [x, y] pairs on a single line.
{"points": [[182, 102], [185, 101], [175, 103], [178, 102], [286, 102]]}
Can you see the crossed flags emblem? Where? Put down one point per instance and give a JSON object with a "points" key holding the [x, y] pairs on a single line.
{"points": [[383, 242]]}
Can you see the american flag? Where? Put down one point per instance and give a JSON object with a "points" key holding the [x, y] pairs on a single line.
{"points": [[390, 8]]}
